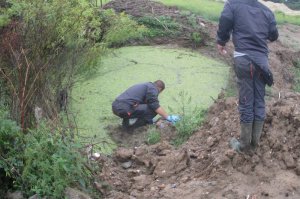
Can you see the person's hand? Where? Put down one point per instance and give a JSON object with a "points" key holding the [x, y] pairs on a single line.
{"points": [[221, 49], [173, 118]]}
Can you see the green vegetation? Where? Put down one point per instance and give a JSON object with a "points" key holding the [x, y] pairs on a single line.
{"points": [[211, 10], [159, 26], [208, 9], [153, 136], [282, 18], [45, 161], [191, 118], [296, 72], [121, 28]]}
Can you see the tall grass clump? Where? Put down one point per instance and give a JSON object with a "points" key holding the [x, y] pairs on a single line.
{"points": [[191, 118], [153, 136], [296, 72]]}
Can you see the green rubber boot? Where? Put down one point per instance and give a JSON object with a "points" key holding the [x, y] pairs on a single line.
{"points": [[256, 133], [245, 138]]}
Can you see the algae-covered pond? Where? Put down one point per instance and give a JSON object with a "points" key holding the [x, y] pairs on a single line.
{"points": [[182, 70]]}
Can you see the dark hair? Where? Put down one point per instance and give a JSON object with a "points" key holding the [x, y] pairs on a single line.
{"points": [[160, 84]]}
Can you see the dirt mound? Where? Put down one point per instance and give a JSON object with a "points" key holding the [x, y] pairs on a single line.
{"points": [[205, 166]]}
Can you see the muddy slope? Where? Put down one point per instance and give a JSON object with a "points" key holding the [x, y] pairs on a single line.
{"points": [[205, 167]]}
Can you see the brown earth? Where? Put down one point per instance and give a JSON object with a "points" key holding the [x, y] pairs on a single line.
{"points": [[205, 167]]}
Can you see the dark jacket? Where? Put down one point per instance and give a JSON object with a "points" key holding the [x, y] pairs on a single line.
{"points": [[251, 24], [144, 93]]}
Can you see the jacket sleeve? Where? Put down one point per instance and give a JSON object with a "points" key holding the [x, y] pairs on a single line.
{"points": [[225, 25], [152, 98], [273, 32]]}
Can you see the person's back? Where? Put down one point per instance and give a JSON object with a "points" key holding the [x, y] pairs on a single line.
{"points": [[137, 94], [252, 24]]}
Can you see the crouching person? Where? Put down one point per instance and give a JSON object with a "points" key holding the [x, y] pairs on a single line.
{"points": [[139, 104]]}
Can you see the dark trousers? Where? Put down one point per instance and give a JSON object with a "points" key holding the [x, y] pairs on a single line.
{"points": [[251, 91], [126, 111]]}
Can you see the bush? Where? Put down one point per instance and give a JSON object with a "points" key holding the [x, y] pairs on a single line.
{"points": [[11, 151], [43, 162], [51, 163]]}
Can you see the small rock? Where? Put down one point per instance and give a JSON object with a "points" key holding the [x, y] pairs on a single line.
{"points": [[75, 194], [127, 165], [210, 141], [162, 186], [289, 161], [230, 153]]}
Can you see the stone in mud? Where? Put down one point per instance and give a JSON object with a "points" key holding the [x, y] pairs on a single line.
{"points": [[289, 160]]}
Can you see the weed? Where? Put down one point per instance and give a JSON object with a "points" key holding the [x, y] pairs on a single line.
{"points": [[196, 38], [159, 26], [153, 136], [191, 118], [296, 72]]}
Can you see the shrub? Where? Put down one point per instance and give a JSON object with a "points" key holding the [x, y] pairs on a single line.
{"points": [[11, 151], [51, 163]]}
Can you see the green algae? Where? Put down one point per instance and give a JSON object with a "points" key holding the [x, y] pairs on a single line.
{"points": [[181, 70]]}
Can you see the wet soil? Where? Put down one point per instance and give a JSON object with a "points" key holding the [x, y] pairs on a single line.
{"points": [[205, 166]]}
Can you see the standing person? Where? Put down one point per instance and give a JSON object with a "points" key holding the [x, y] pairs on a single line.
{"points": [[139, 104], [252, 25]]}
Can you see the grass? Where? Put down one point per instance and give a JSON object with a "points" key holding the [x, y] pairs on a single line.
{"points": [[296, 72], [281, 18], [208, 9], [202, 77], [153, 136], [211, 10]]}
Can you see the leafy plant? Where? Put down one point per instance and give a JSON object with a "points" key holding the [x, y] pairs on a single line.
{"points": [[51, 163], [11, 151], [153, 136], [191, 118]]}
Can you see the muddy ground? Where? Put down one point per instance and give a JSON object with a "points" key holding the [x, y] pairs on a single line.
{"points": [[205, 167]]}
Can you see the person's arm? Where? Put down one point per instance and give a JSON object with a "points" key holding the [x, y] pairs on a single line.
{"points": [[160, 111], [225, 28]]}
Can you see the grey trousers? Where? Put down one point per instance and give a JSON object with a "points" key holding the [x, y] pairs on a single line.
{"points": [[251, 91]]}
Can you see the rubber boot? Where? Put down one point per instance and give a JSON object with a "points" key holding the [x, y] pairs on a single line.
{"points": [[245, 138], [256, 133]]}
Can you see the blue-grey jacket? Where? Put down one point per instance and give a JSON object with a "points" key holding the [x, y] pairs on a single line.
{"points": [[144, 93], [251, 24]]}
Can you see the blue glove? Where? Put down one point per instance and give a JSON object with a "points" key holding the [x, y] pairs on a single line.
{"points": [[173, 118]]}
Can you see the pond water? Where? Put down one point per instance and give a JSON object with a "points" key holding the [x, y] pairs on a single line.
{"points": [[200, 77]]}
